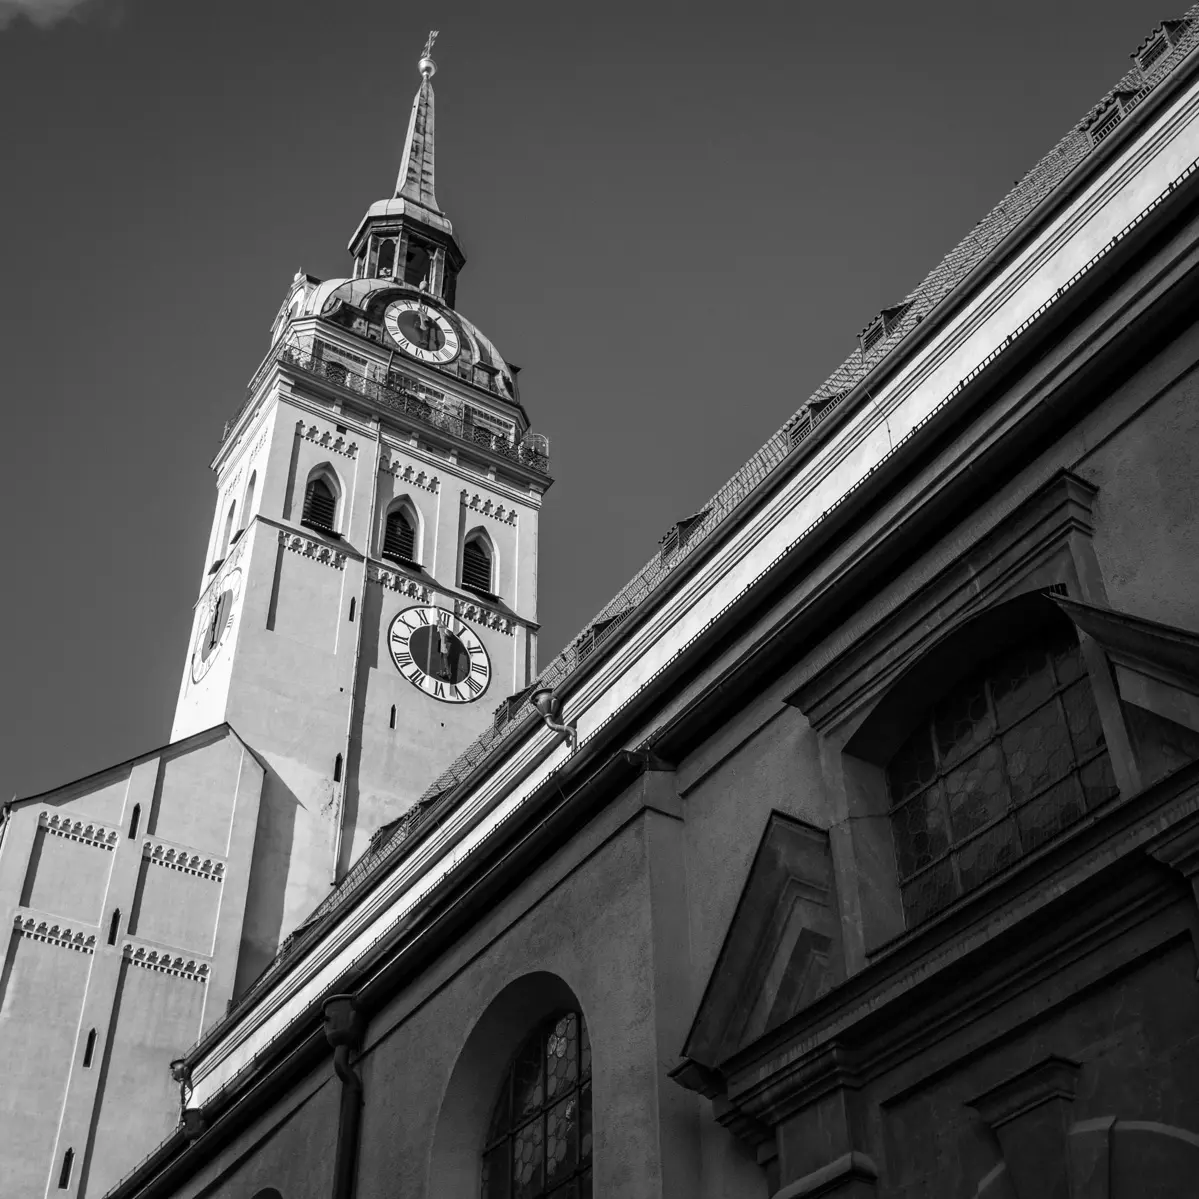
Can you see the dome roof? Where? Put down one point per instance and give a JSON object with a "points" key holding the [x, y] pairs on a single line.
{"points": [[371, 295]]}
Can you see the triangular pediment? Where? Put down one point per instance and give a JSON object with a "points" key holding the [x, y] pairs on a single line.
{"points": [[783, 946]]}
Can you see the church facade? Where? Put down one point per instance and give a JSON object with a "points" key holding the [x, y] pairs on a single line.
{"points": [[851, 850]]}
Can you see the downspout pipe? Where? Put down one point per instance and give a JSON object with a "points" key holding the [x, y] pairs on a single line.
{"points": [[343, 1031]]}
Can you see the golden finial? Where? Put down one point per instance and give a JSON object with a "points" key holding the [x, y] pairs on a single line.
{"points": [[427, 66]]}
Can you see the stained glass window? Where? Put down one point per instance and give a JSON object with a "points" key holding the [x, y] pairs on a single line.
{"points": [[1003, 762], [539, 1140]]}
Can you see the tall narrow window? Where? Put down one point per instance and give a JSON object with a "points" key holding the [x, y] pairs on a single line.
{"points": [[114, 926], [1002, 763], [228, 533], [393, 716], [135, 820], [476, 565], [353, 603], [539, 1140], [89, 1049], [387, 259], [247, 506], [320, 506], [337, 769], [399, 537], [64, 1175]]}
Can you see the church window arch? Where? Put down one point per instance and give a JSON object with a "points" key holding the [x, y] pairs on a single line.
{"points": [[321, 500], [1000, 761], [385, 267], [478, 562], [539, 1138], [114, 926], [247, 504], [64, 1175], [337, 769], [89, 1049], [227, 534], [401, 532], [135, 820]]}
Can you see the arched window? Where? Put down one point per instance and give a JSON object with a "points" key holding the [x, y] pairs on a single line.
{"points": [[1005, 760], [539, 1139], [320, 505], [134, 820], [387, 258], [416, 262], [114, 926], [247, 504], [393, 717], [228, 533], [477, 563], [399, 536], [64, 1175], [337, 769], [89, 1049]]}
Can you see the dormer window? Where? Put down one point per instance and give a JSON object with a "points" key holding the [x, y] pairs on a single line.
{"points": [[882, 326], [1158, 44], [679, 534]]}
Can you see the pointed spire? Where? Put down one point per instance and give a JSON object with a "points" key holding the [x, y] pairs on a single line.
{"points": [[415, 180]]}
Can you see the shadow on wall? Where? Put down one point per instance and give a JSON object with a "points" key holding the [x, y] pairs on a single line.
{"points": [[273, 840], [474, 1083]]}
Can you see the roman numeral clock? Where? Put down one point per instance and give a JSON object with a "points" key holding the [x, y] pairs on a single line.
{"points": [[438, 653]]}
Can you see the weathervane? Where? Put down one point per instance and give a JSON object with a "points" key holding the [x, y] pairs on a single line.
{"points": [[426, 65]]}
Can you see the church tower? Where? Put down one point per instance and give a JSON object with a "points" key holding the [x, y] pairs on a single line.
{"points": [[369, 593]]}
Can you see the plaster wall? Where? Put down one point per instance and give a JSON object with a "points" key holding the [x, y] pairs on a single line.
{"points": [[65, 877]]}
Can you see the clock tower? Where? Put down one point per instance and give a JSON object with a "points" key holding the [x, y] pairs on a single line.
{"points": [[369, 593]]}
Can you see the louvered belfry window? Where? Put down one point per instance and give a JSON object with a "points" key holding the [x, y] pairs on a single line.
{"points": [[320, 506], [476, 566], [1001, 764], [399, 537]]}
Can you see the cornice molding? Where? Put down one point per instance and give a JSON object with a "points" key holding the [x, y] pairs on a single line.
{"points": [[396, 580], [163, 853], [489, 618], [485, 506], [54, 933], [316, 550], [89, 832], [162, 961], [334, 442], [390, 463]]}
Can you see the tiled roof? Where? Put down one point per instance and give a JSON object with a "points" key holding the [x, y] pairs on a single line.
{"points": [[1037, 185]]}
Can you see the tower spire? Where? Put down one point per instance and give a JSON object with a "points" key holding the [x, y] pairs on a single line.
{"points": [[415, 179]]}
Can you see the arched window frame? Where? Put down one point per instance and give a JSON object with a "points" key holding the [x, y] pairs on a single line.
{"points": [[480, 536], [325, 473], [226, 531], [247, 504], [412, 513]]}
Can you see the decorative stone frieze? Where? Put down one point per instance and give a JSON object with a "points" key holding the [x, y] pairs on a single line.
{"points": [[485, 506], [87, 831], [326, 440], [489, 618], [405, 472], [162, 854], [312, 549], [164, 962], [395, 580], [53, 933]]}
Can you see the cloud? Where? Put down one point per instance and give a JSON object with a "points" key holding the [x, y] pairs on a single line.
{"points": [[42, 13]]}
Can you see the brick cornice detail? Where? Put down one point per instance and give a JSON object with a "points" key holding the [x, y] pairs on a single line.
{"points": [[164, 962], [395, 580], [86, 831], [316, 550], [480, 614], [334, 442], [405, 472], [486, 507], [161, 853], [54, 933]]}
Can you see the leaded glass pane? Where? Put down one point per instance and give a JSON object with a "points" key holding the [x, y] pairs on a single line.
{"points": [[585, 1124], [929, 892], [1048, 814], [1083, 718], [497, 1172], [1098, 781], [585, 1185], [914, 767], [1037, 751], [987, 854], [528, 1160], [1021, 681], [585, 1053], [1067, 661], [920, 833], [561, 1056], [962, 722], [977, 792], [561, 1139], [528, 1094]]}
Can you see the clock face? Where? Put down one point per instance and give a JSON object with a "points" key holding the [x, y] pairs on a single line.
{"points": [[420, 330], [216, 620], [438, 653]]}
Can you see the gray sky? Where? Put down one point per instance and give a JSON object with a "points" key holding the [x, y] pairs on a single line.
{"points": [[676, 216]]}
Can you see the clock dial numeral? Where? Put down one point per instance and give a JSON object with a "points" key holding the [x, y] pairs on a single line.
{"points": [[439, 653]]}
